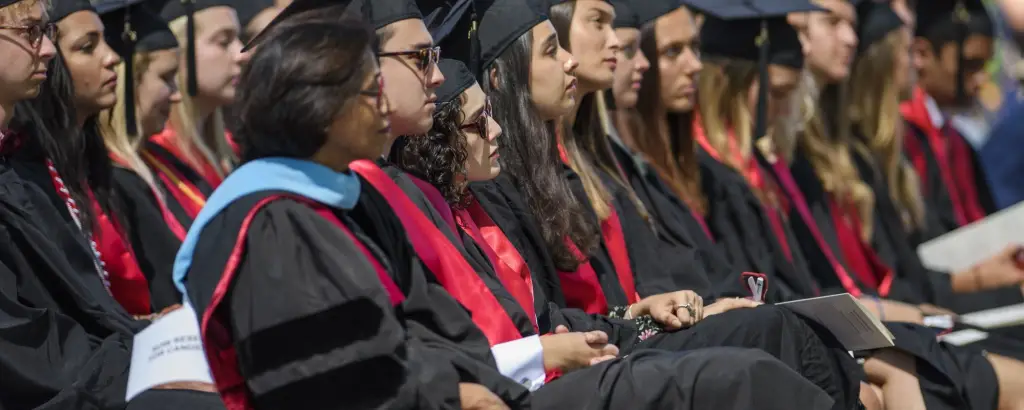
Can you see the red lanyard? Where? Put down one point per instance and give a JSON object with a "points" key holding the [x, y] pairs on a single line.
{"points": [[65, 194]]}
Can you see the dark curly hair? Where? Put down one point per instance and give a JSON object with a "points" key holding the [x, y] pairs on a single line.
{"points": [[439, 157]]}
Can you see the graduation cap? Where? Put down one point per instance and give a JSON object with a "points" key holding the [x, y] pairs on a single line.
{"points": [[966, 16], [875, 20], [457, 78], [248, 10], [753, 30], [635, 14], [132, 27], [59, 9], [625, 15], [173, 9], [378, 12]]}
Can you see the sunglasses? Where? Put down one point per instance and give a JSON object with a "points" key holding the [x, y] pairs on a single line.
{"points": [[481, 122], [426, 58], [35, 32], [377, 93]]}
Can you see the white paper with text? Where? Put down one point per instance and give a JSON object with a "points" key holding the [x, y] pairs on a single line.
{"points": [[966, 246], [853, 325], [168, 350]]}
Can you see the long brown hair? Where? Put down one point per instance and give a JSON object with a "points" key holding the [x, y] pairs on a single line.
{"points": [[666, 141], [585, 142], [874, 112]]}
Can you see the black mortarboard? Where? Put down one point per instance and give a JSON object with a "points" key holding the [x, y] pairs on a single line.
{"points": [[648, 10], [63, 8], [753, 30], [301, 6], [132, 27], [457, 78], [249, 9], [875, 20], [173, 9], [966, 17], [625, 15], [379, 13]]}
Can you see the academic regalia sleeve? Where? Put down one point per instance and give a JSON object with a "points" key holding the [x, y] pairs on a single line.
{"points": [[152, 242], [313, 327]]}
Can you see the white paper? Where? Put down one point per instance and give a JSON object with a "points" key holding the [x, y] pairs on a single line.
{"points": [[852, 324], [966, 246], [1012, 315], [963, 337], [168, 350]]}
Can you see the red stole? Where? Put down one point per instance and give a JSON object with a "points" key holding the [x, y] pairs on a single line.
{"points": [[703, 224], [442, 258], [505, 258], [169, 218], [951, 152], [862, 258], [216, 333], [774, 203], [165, 139], [180, 188], [615, 242]]}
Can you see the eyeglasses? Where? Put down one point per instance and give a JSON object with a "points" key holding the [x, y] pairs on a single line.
{"points": [[378, 93], [36, 32], [481, 122], [426, 58]]}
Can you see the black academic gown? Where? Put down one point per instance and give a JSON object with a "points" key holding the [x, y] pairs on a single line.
{"points": [[153, 244], [951, 377], [180, 168], [413, 355], [64, 342], [819, 359]]}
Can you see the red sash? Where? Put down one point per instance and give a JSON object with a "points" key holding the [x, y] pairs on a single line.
{"points": [[862, 258], [216, 333], [169, 218], [117, 263], [184, 191], [442, 258], [703, 224], [951, 152], [165, 139], [508, 263], [581, 288], [752, 172]]}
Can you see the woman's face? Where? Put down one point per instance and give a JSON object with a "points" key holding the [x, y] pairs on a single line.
{"points": [[90, 61], [552, 83], [362, 129], [901, 62], [632, 64], [482, 134], [592, 38], [157, 90], [218, 55], [782, 81], [678, 60]]}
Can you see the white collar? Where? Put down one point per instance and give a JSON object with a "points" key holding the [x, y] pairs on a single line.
{"points": [[934, 113]]}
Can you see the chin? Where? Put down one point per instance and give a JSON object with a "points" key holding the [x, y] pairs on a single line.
{"points": [[626, 101]]}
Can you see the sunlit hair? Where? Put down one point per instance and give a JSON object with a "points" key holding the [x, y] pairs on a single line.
{"points": [[113, 124], [17, 10], [875, 113], [722, 91], [825, 142], [666, 142], [529, 153], [210, 141], [585, 142]]}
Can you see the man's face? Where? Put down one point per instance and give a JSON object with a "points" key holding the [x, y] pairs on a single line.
{"points": [[830, 39], [410, 78], [25, 50], [938, 70]]}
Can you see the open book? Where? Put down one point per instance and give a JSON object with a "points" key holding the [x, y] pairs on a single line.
{"points": [[966, 246], [168, 350], [852, 324]]}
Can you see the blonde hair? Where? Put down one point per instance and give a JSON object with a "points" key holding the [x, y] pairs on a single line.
{"points": [[722, 89], [113, 124], [21, 8], [874, 110], [185, 124], [828, 151]]}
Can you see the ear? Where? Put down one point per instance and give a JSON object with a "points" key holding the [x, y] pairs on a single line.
{"points": [[493, 78]]}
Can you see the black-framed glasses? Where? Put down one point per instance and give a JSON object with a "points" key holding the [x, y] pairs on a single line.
{"points": [[35, 32], [426, 58], [481, 121], [377, 93]]}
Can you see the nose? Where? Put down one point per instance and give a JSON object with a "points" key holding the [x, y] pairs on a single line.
{"points": [[243, 57], [570, 64], [175, 96], [849, 35], [46, 49], [642, 63], [436, 77], [112, 59], [613, 40], [693, 64], [493, 129], [385, 105]]}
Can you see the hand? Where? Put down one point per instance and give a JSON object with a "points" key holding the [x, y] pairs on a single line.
{"points": [[154, 316], [476, 397], [892, 311], [669, 309], [725, 305], [1001, 270], [932, 310], [197, 386], [567, 351]]}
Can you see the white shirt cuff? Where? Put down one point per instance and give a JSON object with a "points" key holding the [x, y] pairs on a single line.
{"points": [[522, 360]]}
